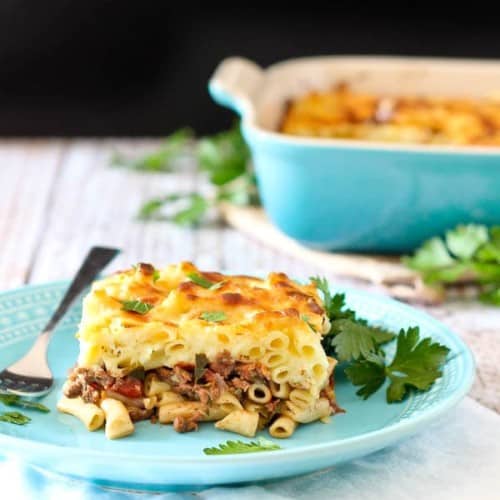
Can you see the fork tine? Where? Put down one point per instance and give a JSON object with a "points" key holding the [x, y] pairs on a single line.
{"points": [[14, 383]]}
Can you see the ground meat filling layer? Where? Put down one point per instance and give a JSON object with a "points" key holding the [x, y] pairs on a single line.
{"points": [[204, 384]]}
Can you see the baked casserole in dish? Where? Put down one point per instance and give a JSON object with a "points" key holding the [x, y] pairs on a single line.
{"points": [[370, 153]]}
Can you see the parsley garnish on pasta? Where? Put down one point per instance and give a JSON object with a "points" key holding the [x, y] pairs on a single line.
{"points": [[136, 306], [203, 282], [214, 316]]}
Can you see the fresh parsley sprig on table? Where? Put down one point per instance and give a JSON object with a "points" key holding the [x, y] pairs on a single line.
{"points": [[416, 364], [224, 158], [185, 209], [466, 253], [236, 447], [163, 159]]}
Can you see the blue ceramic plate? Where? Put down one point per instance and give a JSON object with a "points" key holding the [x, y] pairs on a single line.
{"points": [[156, 457]]}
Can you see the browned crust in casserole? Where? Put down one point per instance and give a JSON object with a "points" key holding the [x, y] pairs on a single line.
{"points": [[346, 114]]}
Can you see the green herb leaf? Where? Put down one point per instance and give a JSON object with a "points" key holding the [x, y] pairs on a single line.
{"points": [[203, 282], [464, 241], [416, 364], [162, 160], [200, 280], [136, 306], [490, 252], [486, 272], [353, 340], [14, 400], [368, 373], [491, 296], [431, 255], [214, 316], [469, 252], [334, 304], [223, 156], [193, 213], [156, 275], [242, 191], [349, 337], [186, 209], [449, 274], [153, 206], [236, 447], [14, 417], [200, 363]]}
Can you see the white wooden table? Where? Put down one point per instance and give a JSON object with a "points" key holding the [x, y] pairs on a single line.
{"points": [[59, 197]]}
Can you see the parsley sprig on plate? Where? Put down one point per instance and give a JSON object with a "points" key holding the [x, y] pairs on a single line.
{"points": [[350, 337], [236, 447], [15, 417], [224, 158], [468, 253], [416, 364], [14, 400]]}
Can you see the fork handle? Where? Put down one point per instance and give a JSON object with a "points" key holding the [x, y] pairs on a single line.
{"points": [[97, 259]]}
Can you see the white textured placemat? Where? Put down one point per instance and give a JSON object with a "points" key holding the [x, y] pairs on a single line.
{"points": [[457, 458]]}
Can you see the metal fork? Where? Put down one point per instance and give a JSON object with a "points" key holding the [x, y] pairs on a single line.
{"points": [[31, 375]]}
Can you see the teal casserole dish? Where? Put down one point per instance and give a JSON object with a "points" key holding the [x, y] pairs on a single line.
{"points": [[355, 195]]}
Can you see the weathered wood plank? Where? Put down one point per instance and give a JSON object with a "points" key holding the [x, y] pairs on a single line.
{"points": [[28, 172], [94, 204]]}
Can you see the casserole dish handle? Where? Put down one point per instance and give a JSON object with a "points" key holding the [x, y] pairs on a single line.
{"points": [[234, 84]]}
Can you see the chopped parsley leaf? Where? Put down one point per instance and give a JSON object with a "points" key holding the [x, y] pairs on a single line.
{"points": [[136, 306], [214, 316]]}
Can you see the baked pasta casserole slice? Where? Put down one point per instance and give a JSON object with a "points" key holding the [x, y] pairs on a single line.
{"points": [[181, 346]]}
